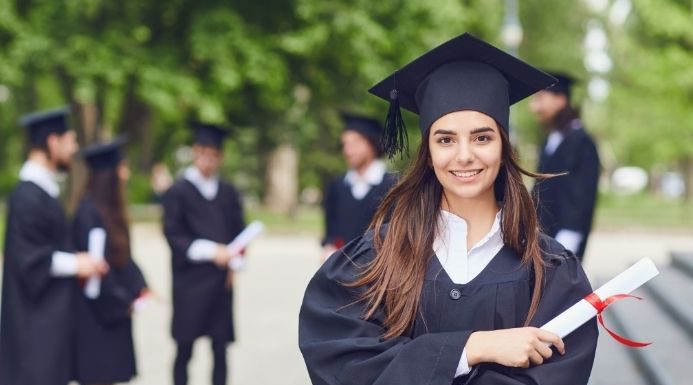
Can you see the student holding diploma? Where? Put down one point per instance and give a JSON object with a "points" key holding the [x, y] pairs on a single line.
{"points": [[39, 270], [202, 215], [105, 351], [452, 281]]}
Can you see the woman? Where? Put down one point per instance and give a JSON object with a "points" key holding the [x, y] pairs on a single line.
{"points": [[105, 351], [452, 280]]}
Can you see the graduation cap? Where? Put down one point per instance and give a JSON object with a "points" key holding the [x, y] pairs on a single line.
{"points": [[366, 126], [464, 73], [208, 134], [564, 85], [104, 155], [41, 124]]}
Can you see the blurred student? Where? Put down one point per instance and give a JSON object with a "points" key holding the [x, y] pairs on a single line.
{"points": [[351, 200], [37, 318], [105, 351], [202, 214], [565, 204]]}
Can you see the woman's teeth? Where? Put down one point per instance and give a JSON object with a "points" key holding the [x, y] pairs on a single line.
{"points": [[465, 174]]}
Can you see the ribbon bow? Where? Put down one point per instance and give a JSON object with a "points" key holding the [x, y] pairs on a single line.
{"points": [[600, 305]]}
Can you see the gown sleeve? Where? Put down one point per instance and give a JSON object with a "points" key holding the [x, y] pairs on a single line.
{"points": [[329, 205], [565, 283], [341, 348], [178, 236], [581, 189], [28, 239]]}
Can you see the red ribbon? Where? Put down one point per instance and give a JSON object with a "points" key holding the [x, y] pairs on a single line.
{"points": [[600, 305]]}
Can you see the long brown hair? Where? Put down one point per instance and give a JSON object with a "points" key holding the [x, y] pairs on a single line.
{"points": [[394, 279], [106, 190]]}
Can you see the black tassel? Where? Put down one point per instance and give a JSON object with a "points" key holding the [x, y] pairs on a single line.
{"points": [[394, 138]]}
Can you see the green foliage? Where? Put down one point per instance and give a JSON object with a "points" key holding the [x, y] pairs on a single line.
{"points": [[278, 71]]}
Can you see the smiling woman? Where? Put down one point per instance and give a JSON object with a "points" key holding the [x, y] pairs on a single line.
{"points": [[453, 276]]}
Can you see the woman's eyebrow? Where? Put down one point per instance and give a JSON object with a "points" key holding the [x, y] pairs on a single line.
{"points": [[481, 129], [444, 132]]}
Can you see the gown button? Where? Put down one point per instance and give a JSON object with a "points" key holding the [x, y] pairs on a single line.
{"points": [[455, 294]]}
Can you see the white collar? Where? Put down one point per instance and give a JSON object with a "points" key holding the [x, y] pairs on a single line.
{"points": [[208, 187], [41, 176], [362, 184], [450, 247]]}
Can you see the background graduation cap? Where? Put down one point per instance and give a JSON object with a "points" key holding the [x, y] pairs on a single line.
{"points": [[464, 73], [41, 124], [105, 155], [564, 85], [208, 134], [366, 126]]}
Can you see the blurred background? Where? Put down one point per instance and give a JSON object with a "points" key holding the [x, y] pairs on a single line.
{"points": [[277, 72]]}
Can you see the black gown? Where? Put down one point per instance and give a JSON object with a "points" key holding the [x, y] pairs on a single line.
{"points": [[202, 304], [567, 202], [105, 351], [341, 348], [347, 217], [37, 313]]}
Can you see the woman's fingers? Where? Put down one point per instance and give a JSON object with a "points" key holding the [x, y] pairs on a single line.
{"points": [[553, 339]]}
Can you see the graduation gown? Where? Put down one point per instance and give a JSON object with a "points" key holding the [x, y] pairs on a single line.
{"points": [[105, 351], [567, 202], [202, 304], [341, 348], [37, 309], [347, 217]]}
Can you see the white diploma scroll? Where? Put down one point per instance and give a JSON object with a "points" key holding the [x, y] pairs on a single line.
{"points": [[97, 247], [624, 283], [241, 241]]}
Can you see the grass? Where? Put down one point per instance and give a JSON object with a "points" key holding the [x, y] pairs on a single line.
{"points": [[643, 211]]}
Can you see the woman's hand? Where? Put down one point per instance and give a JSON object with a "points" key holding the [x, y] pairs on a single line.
{"points": [[517, 348]]}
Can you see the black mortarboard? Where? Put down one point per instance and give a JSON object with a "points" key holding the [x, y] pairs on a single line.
{"points": [[464, 73], [368, 127], [43, 123], [564, 85], [208, 134], [104, 155]]}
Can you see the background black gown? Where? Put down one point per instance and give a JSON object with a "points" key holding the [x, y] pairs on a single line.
{"points": [[202, 304], [347, 217], [340, 348], [37, 308], [567, 202], [105, 351]]}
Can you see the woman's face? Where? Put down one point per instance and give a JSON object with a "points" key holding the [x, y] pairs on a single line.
{"points": [[466, 155]]}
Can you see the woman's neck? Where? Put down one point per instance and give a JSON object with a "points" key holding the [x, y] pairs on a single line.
{"points": [[479, 214]]}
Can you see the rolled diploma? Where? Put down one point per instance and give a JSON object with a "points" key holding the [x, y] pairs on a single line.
{"points": [[242, 240], [624, 283], [97, 246]]}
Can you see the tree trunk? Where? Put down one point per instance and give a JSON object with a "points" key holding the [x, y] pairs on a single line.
{"points": [[281, 193], [136, 121]]}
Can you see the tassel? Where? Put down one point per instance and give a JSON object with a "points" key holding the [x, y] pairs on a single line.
{"points": [[394, 139]]}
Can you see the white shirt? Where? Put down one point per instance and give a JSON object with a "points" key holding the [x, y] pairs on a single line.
{"points": [[362, 184], [63, 264], [41, 176], [208, 187], [450, 246]]}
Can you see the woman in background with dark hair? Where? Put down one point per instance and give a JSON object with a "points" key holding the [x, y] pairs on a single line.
{"points": [[105, 351], [454, 278]]}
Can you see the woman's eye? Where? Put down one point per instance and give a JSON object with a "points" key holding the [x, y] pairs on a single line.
{"points": [[483, 138], [445, 140]]}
